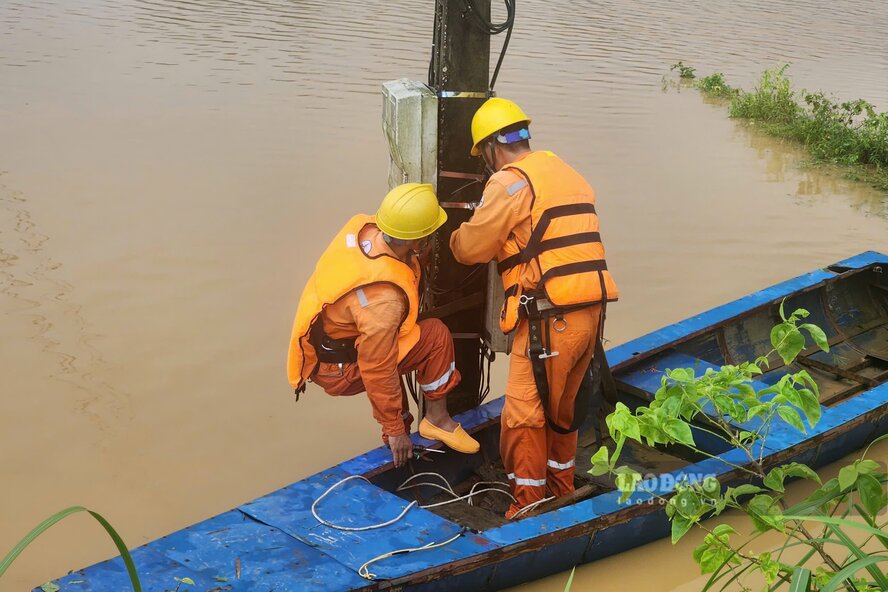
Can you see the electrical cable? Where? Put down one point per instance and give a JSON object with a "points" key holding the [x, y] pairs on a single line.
{"points": [[495, 29], [481, 22], [364, 570]]}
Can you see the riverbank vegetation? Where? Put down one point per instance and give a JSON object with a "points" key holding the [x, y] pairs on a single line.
{"points": [[851, 134], [838, 530]]}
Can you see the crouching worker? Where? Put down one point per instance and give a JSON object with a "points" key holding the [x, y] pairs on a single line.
{"points": [[356, 324]]}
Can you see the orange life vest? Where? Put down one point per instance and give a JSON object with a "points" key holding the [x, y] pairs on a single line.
{"points": [[564, 240], [344, 268]]}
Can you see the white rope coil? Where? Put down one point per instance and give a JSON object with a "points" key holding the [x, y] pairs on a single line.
{"points": [[353, 528], [364, 570]]}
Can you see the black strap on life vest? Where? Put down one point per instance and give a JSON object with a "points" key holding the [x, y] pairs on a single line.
{"points": [[332, 351], [536, 244], [597, 391]]}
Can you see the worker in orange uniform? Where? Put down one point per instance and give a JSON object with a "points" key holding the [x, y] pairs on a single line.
{"points": [[356, 325], [537, 219]]}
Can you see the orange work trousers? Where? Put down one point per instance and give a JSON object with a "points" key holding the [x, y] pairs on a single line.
{"points": [[538, 460], [431, 358]]}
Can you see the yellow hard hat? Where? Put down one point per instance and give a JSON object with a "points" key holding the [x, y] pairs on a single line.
{"points": [[410, 211], [491, 117]]}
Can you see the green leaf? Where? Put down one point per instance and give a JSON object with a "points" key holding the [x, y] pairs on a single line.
{"points": [[788, 341], [626, 480], [799, 470], [847, 477], [623, 421], [49, 587], [680, 431], [712, 558], [872, 495], [799, 313], [792, 417], [810, 405], [55, 518], [711, 488], [866, 466], [601, 455], [723, 529], [188, 581], [774, 479], [778, 475], [765, 513], [687, 503], [680, 527], [817, 335]]}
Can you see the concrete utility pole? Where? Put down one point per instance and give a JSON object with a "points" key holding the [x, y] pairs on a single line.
{"points": [[459, 75]]}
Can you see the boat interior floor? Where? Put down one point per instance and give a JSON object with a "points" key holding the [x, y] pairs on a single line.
{"points": [[487, 510]]}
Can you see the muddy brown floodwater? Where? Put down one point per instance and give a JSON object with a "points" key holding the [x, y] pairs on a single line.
{"points": [[171, 170]]}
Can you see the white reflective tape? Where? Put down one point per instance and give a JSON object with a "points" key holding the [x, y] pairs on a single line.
{"points": [[362, 298], [441, 381], [351, 241], [561, 466], [529, 482], [516, 186]]}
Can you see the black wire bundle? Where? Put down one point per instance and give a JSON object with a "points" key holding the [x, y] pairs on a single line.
{"points": [[480, 21], [495, 29]]}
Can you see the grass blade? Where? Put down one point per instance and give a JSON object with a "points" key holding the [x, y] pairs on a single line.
{"points": [[849, 570], [59, 516], [570, 580], [801, 577]]}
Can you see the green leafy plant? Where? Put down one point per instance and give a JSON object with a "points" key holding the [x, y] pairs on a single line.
{"points": [[57, 517], [715, 85], [712, 403], [684, 72]]}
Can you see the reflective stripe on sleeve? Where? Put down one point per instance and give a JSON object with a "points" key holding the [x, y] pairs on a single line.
{"points": [[441, 381], [516, 186], [362, 298], [351, 241], [561, 466], [529, 482]]}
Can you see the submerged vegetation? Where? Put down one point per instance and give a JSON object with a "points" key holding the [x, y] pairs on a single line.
{"points": [[849, 133], [821, 526]]}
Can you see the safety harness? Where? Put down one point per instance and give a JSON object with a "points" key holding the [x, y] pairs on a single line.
{"points": [[597, 392], [566, 245]]}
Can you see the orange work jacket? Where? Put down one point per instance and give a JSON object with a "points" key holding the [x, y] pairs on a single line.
{"points": [[564, 240], [342, 269]]}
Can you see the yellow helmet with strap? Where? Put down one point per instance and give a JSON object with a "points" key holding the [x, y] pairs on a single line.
{"points": [[494, 115], [410, 211]]}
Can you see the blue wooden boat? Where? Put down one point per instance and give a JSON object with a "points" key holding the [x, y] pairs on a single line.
{"points": [[276, 543]]}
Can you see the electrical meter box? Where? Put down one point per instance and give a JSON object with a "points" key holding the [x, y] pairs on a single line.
{"points": [[410, 124]]}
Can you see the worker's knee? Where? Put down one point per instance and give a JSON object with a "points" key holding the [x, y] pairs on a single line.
{"points": [[434, 331], [523, 410]]}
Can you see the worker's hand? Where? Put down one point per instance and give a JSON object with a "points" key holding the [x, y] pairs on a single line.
{"points": [[402, 448]]}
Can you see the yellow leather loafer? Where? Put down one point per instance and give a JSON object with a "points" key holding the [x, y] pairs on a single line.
{"points": [[458, 439]]}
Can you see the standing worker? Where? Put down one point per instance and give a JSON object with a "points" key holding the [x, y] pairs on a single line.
{"points": [[537, 218], [356, 325]]}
